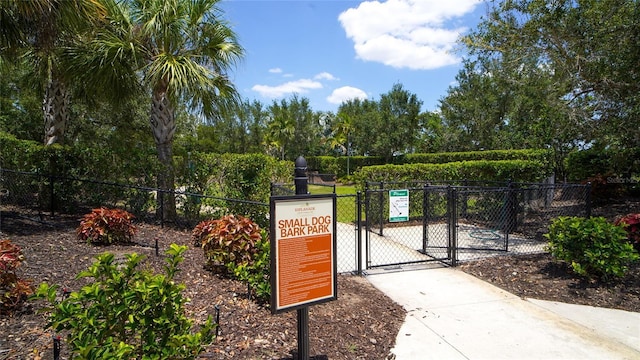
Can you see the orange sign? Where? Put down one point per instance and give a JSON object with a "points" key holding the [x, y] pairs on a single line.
{"points": [[303, 251]]}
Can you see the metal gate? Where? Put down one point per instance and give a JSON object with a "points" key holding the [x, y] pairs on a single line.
{"points": [[421, 235], [451, 223]]}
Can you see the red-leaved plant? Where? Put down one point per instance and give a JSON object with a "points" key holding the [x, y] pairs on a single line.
{"points": [[230, 240], [201, 231], [631, 223], [106, 226], [13, 290]]}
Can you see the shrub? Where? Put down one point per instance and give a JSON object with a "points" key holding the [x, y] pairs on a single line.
{"points": [[257, 272], [126, 313], [201, 231], [593, 246], [106, 226], [13, 290], [237, 247], [229, 240], [631, 223]]}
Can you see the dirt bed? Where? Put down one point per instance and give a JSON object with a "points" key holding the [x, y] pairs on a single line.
{"points": [[361, 324]]}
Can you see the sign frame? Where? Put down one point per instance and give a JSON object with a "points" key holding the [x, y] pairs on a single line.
{"points": [[307, 206]]}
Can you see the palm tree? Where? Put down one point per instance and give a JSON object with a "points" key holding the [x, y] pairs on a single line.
{"points": [[281, 127], [340, 131], [36, 31], [177, 50]]}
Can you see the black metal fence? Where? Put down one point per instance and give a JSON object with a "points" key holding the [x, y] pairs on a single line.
{"points": [[39, 196], [452, 223], [445, 221]]}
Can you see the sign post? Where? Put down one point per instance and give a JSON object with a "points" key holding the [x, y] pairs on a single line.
{"points": [[303, 254]]}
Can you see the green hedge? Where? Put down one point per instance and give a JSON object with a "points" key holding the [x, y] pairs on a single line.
{"points": [[338, 165], [495, 155], [75, 161], [234, 176], [585, 164], [500, 170]]}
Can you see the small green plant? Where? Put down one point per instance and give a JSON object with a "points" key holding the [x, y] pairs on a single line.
{"points": [[13, 290], [229, 240], [126, 313], [257, 272], [106, 226], [631, 224], [593, 246]]}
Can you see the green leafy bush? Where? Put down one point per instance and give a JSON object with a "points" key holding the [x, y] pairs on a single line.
{"points": [[593, 246], [106, 226], [257, 272], [126, 313], [13, 290], [584, 164], [229, 240], [631, 224], [233, 176]]}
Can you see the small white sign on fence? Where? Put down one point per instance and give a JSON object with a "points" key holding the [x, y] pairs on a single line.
{"points": [[398, 205]]}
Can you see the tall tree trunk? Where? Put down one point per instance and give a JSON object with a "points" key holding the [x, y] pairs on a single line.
{"points": [[55, 107], [163, 125]]}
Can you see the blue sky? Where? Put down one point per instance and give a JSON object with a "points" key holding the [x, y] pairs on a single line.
{"points": [[332, 50]]}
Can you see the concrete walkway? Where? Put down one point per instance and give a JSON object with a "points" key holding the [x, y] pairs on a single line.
{"points": [[453, 315]]}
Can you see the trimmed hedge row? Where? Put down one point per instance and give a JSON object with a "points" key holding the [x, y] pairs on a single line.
{"points": [[80, 162], [482, 170], [542, 156], [586, 164], [245, 177], [338, 165]]}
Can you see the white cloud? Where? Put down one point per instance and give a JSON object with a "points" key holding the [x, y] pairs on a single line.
{"points": [[292, 87], [406, 33], [342, 94], [325, 76], [275, 71]]}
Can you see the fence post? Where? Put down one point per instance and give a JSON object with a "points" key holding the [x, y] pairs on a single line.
{"points": [[367, 211], [359, 232], [425, 218], [453, 223], [161, 194], [381, 207], [588, 200], [463, 211], [511, 211]]}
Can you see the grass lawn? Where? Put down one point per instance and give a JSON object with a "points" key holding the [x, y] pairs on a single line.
{"points": [[346, 200]]}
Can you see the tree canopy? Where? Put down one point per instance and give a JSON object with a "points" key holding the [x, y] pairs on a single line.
{"points": [[559, 75]]}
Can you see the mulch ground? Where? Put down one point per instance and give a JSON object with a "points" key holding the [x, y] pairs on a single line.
{"points": [[361, 324]]}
